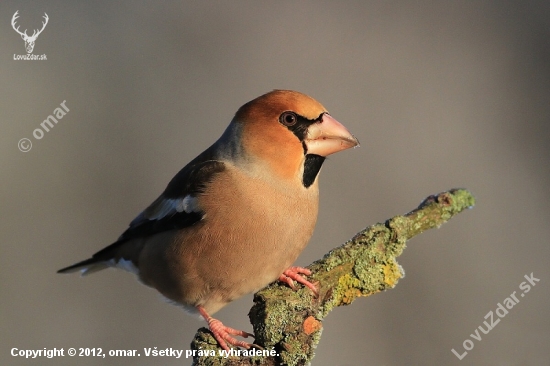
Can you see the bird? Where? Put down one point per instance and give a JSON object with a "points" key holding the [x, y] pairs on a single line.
{"points": [[237, 216]]}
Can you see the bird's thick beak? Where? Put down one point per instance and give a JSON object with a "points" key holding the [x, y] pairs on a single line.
{"points": [[328, 136]]}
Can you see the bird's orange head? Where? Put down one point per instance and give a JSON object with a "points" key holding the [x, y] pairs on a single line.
{"points": [[291, 132]]}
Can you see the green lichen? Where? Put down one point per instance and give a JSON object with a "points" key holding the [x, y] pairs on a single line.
{"points": [[347, 290], [364, 265]]}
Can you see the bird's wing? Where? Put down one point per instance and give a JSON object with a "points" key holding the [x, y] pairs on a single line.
{"points": [[176, 208]]}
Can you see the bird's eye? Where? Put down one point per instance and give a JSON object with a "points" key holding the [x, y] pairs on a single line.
{"points": [[288, 118]]}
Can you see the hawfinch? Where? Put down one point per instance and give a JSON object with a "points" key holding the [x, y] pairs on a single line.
{"points": [[252, 194]]}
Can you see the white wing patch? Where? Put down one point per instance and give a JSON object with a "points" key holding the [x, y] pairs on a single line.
{"points": [[166, 207], [191, 204]]}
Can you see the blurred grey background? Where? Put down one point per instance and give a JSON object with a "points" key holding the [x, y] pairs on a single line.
{"points": [[440, 94]]}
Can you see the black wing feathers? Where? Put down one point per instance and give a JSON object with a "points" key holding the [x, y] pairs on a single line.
{"points": [[189, 181]]}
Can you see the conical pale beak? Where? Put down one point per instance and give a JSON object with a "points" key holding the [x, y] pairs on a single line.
{"points": [[328, 136]]}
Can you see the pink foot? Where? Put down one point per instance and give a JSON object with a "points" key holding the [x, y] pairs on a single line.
{"points": [[294, 274], [223, 333]]}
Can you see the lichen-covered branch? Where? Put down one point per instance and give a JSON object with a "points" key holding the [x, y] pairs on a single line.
{"points": [[289, 322]]}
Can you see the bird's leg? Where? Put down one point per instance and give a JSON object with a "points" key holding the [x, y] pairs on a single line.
{"points": [[295, 274], [223, 333]]}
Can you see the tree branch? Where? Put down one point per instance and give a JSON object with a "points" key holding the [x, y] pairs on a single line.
{"points": [[289, 322]]}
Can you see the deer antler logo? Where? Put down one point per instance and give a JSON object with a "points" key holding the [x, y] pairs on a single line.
{"points": [[29, 41]]}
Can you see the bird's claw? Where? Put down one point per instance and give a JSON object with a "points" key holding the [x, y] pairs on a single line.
{"points": [[295, 274], [223, 334]]}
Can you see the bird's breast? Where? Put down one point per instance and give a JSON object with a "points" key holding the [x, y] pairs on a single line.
{"points": [[252, 231]]}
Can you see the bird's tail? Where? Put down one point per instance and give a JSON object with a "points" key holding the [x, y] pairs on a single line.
{"points": [[86, 267]]}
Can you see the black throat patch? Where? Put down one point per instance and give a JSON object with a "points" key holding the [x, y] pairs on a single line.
{"points": [[312, 166]]}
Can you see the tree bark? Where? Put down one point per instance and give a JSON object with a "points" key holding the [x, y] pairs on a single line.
{"points": [[288, 322]]}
